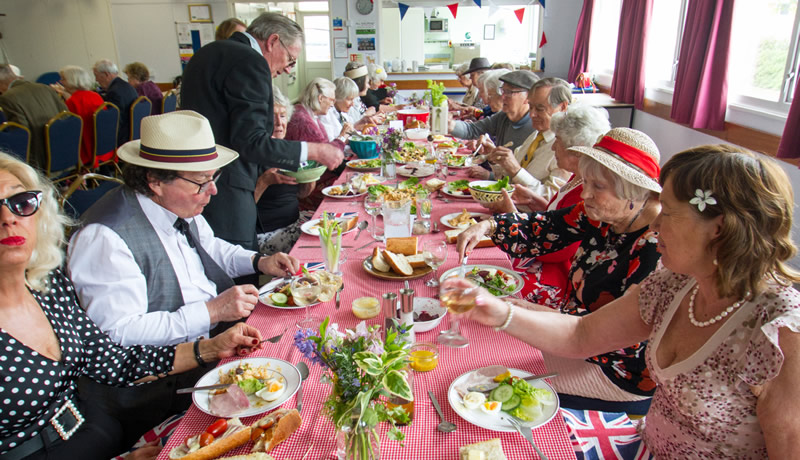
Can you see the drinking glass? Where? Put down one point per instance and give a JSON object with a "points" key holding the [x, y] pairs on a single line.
{"points": [[397, 220], [305, 291], [350, 177], [372, 204], [458, 300], [424, 204], [435, 254]]}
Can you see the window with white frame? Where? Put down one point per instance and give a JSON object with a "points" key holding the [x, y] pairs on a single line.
{"points": [[603, 39], [663, 44]]}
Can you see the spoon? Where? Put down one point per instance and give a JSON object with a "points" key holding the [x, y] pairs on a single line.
{"points": [[444, 426], [301, 366], [361, 227]]}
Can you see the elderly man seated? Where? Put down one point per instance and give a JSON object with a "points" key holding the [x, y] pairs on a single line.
{"points": [[118, 92], [146, 265]]}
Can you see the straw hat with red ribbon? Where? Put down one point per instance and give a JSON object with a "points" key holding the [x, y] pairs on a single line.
{"points": [[630, 154]]}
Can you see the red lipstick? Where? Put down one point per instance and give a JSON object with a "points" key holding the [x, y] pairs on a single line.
{"points": [[13, 241]]}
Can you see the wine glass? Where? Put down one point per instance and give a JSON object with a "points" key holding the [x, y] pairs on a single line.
{"points": [[372, 204], [349, 185], [424, 204], [305, 291], [435, 254], [458, 300]]}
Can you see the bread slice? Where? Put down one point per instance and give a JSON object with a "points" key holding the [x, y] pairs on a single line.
{"points": [[379, 262], [417, 260], [288, 421], [434, 185], [348, 223], [406, 246], [452, 238], [490, 450], [398, 262]]}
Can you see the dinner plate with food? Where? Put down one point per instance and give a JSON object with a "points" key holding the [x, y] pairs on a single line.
{"points": [[531, 402], [416, 170], [457, 189], [463, 219], [458, 161], [342, 191], [399, 260], [365, 165], [410, 152], [278, 294], [255, 386], [347, 221], [499, 281]]}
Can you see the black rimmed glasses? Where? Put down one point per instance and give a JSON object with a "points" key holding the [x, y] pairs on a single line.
{"points": [[292, 59], [510, 92], [203, 187], [23, 204]]}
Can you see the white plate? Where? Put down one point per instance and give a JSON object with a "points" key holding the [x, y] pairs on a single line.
{"points": [[467, 268], [423, 170], [326, 192], [353, 163], [309, 227], [448, 193], [202, 398], [269, 288], [478, 216], [493, 421]]}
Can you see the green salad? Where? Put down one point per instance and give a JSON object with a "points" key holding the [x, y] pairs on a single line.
{"points": [[250, 386], [374, 163], [456, 160], [496, 187], [522, 400]]}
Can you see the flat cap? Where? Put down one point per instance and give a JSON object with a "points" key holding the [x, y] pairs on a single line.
{"points": [[478, 63], [520, 78]]}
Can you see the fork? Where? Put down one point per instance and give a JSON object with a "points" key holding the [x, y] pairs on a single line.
{"points": [[526, 433], [277, 338]]}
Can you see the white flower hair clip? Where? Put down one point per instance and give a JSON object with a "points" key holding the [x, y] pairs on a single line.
{"points": [[701, 199]]}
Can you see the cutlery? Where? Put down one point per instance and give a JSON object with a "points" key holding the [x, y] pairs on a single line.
{"points": [[361, 226], [339, 296], [320, 247], [362, 247], [443, 198], [301, 366], [444, 426], [475, 278], [277, 338], [491, 386], [463, 267], [217, 386], [526, 433]]}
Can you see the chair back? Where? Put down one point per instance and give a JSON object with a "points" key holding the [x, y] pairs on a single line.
{"points": [[170, 102], [48, 78], [84, 191], [63, 141], [15, 139], [3, 117], [140, 108], [106, 124]]}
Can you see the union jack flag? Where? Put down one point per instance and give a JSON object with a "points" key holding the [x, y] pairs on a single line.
{"points": [[311, 267], [336, 215], [604, 436]]}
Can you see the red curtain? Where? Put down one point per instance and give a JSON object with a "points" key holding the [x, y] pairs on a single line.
{"points": [[579, 61], [634, 21], [790, 141], [701, 86]]}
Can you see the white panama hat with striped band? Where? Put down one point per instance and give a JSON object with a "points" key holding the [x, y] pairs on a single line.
{"points": [[180, 141]]}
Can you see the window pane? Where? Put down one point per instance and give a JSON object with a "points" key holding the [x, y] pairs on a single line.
{"points": [[318, 42], [603, 38], [760, 41], [662, 40]]}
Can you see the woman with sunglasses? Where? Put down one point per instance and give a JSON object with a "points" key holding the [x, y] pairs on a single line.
{"points": [[49, 342]]}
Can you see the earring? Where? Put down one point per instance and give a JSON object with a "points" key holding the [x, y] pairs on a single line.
{"points": [[714, 261], [631, 205]]}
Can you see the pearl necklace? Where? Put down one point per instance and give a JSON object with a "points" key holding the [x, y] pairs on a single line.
{"points": [[719, 317]]}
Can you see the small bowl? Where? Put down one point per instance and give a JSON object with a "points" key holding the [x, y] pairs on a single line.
{"points": [[432, 307], [309, 173], [417, 133], [364, 150], [424, 356], [483, 196]]}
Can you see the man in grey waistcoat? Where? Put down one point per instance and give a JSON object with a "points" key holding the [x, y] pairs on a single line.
{"points": [[147, 267]]}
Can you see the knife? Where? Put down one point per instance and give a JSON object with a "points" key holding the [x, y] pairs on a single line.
{"points": [[361, 247], [317, 247], [491, 386], [218, 386]]}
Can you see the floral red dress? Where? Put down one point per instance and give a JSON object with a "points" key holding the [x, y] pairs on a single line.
{"points": [[605, 265], [703, 407]]}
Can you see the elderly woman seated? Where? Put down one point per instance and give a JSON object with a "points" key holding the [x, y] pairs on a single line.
{"points": [[139, 77], [358, 72], [722, 319], [470, 96], [77, 87], [44, 329], [617, 249], [340, 112], [377, 96]]}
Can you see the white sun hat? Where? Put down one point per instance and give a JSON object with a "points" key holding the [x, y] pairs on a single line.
{"points": [[180, 141], [628, 153]]}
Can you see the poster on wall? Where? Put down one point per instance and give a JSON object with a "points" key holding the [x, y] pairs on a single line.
{"points": [[366, 44], [338, 24], [191, 37], [340, 47]]}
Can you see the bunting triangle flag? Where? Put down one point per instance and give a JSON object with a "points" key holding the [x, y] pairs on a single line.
{"points": [[477, 2], [453, 9], [520, 14], [492, 9], [543, 41], [541, 2], [542, 65], [403, 9]]}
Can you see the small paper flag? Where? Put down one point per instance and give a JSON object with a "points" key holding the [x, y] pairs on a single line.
{"points": [[492, 9], [403, 9], [542, 65], [520, 14], [477, 2], [543, 41], [453, 9]]}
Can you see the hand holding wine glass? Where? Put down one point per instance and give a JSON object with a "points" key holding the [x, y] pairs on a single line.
{"points": [[435, 254], [459, 296]]}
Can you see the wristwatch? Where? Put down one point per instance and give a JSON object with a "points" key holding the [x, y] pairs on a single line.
{"points": [[256, 258]]}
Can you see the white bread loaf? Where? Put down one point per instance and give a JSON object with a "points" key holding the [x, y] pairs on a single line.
{"points": [[490, 450], [379, 262], [398, 262], [417, 260], [406, 246], [452, 237]]}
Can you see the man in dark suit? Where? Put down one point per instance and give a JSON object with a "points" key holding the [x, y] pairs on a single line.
{"points": [[230, 83], [118, 92]]}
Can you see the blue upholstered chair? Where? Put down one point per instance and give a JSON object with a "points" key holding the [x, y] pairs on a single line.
{"points": [[106, 124], [63, 141], [170, 102], [84, 191], [15, 139], [48, 78], [140, 108], [3, 117]]}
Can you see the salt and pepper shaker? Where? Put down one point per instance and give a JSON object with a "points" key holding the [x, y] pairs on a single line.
{"points": [[407, 312], [389, 311]]}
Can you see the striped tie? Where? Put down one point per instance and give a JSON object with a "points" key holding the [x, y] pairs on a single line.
{"points": [[529, 155]]}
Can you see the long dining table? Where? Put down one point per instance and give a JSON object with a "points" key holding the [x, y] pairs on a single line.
{"points": [[315, 439]]}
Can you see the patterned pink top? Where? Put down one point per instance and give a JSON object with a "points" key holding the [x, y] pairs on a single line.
{"points": [[703, 406]]}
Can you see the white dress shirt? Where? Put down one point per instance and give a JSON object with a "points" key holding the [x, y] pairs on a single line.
{"points": [[542, 175], [113, 290]]}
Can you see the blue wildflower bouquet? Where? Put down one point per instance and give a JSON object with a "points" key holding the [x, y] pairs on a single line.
{"points": [[361, 368]]}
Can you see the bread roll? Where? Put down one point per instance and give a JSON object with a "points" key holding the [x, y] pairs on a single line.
{"points": [[398, 262], [452, 237], [288, 421], [434, 185], [406, 246], [492, 450], [379, 262]]}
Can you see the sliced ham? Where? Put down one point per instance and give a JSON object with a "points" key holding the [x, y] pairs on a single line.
{"points": [[229, 403]]}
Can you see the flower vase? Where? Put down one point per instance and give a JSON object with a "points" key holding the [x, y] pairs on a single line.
{"points": [[358, 442]]}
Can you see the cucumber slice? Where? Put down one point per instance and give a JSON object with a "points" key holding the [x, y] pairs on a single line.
{"points": [[513, 402], [279, 299], [502, 393]]}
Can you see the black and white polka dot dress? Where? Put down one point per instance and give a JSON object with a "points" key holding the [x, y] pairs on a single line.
{"points": [[33, 387]]}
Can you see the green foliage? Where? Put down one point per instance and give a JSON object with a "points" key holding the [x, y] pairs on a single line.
{"points": [[770, 64]]}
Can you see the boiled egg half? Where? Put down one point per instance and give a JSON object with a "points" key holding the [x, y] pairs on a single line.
{"points": [[491, 407], [271, 391], [473, 399]]}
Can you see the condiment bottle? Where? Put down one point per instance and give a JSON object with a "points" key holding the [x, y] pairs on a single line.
{"points": [[407, 312]]}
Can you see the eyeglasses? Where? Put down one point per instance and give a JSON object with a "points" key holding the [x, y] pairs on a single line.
{"points": [[510, 92], [203, 187], [292, 59], [23, 204]]}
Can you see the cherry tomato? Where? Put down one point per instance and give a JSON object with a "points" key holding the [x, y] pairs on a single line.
{"points": [[256, 433], [513, 379], [267, 424], [217, 428], [206, 439], [188, 439]]}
